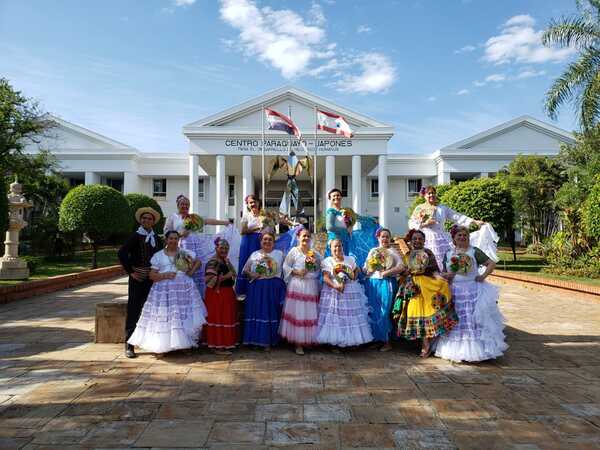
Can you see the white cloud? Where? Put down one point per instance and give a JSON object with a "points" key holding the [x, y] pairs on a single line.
{"points": [[519, 42], [377, 75], [183, 2], [529, 73], [363, 29], [466, 49], [284, 40], [463, 92], [496, 77]]}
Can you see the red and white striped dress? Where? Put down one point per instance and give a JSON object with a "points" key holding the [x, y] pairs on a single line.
{"points": [[301, 308]]}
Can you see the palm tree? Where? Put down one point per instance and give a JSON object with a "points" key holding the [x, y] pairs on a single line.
{"points": [[580, 82]]}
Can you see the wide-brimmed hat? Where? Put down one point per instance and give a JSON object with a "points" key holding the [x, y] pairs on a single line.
{"points": [[147, 210]]}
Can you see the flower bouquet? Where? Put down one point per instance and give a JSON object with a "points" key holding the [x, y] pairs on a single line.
{"points": [[342, 273], [379, 260], [183, 261], [425, 212], [310, 261], [266, 267], [194, 223], [349, 217], [267, 219], [418, 261], [460, 263]]}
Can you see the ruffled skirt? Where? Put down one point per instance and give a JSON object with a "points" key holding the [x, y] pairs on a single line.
{"points": [[262, 311], [439, 242], [301, 311], [479, 334], [344, 316], [381, 294], [172, 317], [222, 327]]}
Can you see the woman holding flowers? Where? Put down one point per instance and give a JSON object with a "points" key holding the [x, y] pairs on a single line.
{"points": [[343, 311], [382, 266], [250, 226], [174, 313], [266, 293], [190, 226], [223, 327], [339, 223], [430, 217], [301, 271], [479, 334], [423, 307]]}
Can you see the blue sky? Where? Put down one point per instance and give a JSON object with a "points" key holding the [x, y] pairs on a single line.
{"points": [[137, 71]]}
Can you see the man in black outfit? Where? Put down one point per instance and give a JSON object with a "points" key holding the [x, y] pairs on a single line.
{"points": [[135, 258]]}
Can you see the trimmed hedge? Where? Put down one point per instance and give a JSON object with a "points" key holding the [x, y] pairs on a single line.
{"points": [[137, 201]]}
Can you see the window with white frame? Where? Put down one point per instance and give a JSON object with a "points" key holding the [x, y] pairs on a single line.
{"points": [[200, 188], [414, 186], [344, 187], [374, 188], [159, 187]]}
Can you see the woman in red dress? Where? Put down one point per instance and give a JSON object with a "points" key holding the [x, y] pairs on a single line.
{"points": [[222, 328]]}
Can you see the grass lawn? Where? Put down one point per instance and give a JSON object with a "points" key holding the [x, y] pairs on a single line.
{"points": [[52, 266], [534, 265]]}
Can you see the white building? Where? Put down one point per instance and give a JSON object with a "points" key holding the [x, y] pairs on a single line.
{"points": [[223, 163]]}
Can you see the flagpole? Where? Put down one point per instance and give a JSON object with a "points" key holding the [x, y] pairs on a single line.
{"points": [[262, 129], [315, 176], [289, 196]]}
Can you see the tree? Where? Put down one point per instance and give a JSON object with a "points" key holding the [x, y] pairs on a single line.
{"points": [[3, 209], [533, 180], [21, 123], [591, 213], [580, 82], [96, 210], [137, 201]]}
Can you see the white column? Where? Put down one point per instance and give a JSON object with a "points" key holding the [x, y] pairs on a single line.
{"points": [[193, 182], [221, 199], [383, 188], [247, 179], [356, 184], [484, 175], [443, 177], [130, 182], [92, 178], [329, 173]]}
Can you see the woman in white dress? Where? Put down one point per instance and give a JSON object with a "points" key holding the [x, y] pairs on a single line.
{"points": [[479, 334], [174, 313], [343, 309], [301, 272], [195, 241]]}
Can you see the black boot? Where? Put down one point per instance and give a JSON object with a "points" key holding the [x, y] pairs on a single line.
{"points": [[129, 351]]}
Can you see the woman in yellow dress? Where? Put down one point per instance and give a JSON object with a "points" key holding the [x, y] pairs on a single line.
{"points": [[423, 306]]}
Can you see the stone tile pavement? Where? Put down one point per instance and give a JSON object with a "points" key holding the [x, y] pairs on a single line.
{"points": [[60, 391]]}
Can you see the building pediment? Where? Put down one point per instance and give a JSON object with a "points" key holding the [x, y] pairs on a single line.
{"points": [[247, 116], [521, 135]]}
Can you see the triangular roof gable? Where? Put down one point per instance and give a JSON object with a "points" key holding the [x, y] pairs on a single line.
{"points": [[88, 135], [507, 127], [279, 95]]}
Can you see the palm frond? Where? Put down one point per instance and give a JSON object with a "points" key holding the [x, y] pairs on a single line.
{"points": [[571, 32], [572, 81], [590, 103]]}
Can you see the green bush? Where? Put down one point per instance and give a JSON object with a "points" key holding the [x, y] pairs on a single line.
{"points": [[586, 265], [137, 201], [590, 213], [97, 211], [33, 262]]}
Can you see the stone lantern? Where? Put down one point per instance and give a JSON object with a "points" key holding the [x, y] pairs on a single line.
{"points": [[11, 266]]}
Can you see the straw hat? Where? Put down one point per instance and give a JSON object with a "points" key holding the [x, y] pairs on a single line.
{"points": [[147, 210]]}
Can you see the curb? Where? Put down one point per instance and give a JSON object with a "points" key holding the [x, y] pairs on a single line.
{"points": [[548, 282], [30, 289]]}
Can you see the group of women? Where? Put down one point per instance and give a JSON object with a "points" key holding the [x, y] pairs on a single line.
{"points": [[362, 290]]}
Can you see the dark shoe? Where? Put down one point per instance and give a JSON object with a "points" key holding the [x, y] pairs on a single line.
{"points": [[129, 351]]}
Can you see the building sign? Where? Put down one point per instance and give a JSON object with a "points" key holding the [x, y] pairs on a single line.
{"points": [[283, 145]]}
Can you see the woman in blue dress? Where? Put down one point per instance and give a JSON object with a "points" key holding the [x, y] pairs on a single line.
{"points": [[251, 224], [355, 243], [381, 267], [266, 293]]}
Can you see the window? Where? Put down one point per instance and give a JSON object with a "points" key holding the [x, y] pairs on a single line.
{"points": [[73, 182], [374, 188], [231, 190], [115, 183], [344, 188], [414, 186], [159, 187], [201, 188]]}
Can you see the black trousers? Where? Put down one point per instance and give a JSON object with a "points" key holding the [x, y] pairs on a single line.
{"points": [[138, 293]]}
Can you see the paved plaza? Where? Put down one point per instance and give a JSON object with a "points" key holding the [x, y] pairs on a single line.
{"points": [[58, 390]]}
